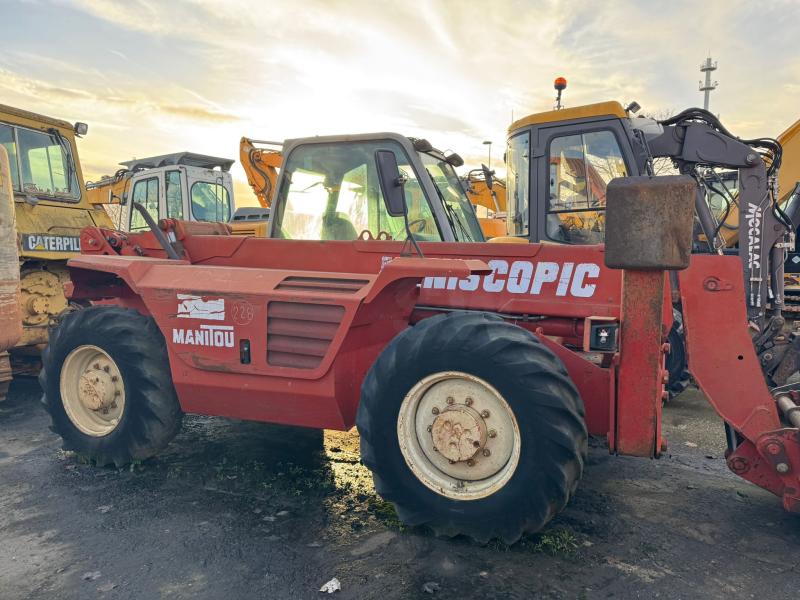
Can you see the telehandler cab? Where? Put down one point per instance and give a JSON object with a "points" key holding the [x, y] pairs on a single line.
{"points": [[474, 380]]}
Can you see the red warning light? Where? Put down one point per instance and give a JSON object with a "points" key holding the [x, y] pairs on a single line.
{"points": [[560, 83]]}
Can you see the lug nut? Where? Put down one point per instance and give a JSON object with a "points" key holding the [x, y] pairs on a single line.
{"points": [[96, 366], [485, 414], [430, 428], [450, 399], [116, 392], [492, 433], [782, 468], [487, 452], [468, 401], [106, 369], [114, 378], [470, 463], [435, 410]]}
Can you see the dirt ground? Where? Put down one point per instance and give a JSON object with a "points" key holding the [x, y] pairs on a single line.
{"points": [[243, 510]]}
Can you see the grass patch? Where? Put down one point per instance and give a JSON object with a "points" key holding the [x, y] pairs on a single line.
{"points": [[553, 542], [557, 542]]}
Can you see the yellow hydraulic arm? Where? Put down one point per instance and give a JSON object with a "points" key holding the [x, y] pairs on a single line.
{"points": [[261, 166], [493, 200], [108, 190]]}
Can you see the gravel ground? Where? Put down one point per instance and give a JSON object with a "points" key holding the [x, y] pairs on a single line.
{"points": [[246, 510]]}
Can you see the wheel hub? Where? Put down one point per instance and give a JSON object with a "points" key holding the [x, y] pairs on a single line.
{"points": [[459, 433], [92, 390], [96, 389]]}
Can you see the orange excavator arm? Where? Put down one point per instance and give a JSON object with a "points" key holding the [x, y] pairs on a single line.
{"points": [[261, 166]]}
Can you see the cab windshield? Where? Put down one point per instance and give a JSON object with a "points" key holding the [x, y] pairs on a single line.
{"points": [[41, 163], [331, 191], [458, 209]]}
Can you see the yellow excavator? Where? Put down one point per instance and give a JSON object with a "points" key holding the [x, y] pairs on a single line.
{"points": [[487, 194], [261, 160], [45, 185]]}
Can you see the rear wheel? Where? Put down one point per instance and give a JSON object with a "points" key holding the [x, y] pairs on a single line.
{"points": [[472, 426], [107, 385]]}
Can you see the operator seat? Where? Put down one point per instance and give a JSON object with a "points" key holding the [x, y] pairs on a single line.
{"points": [[338, 227]]}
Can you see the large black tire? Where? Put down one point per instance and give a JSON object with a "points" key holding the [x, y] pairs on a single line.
{"points": [[151, 415], [535, 385]]}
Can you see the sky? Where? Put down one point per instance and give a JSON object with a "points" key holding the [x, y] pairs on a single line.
{"points": [[153, 77]]}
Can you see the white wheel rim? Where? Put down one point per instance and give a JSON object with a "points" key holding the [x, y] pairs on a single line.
{"points": [[458, 435], [92, 390]]}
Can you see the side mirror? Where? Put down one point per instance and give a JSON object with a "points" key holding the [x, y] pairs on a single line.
{"points": [[488, 176], [454, 160], [391, 183]]}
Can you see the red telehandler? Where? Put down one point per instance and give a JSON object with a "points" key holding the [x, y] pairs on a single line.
{"points": [[474, 374]]}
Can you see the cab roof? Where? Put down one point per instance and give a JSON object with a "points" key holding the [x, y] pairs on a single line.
{"points": [[600, 109], [190, 159], [31, 116]]}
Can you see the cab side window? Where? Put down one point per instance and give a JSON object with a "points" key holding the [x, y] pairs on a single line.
{"points": [[7, 141], [210, 202], [580, 167], [518, 184], [174, 193], [145, 192]]}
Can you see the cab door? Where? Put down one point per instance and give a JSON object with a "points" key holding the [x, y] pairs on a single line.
{"points": [[147, 189], [571, 168], [176, 199]]}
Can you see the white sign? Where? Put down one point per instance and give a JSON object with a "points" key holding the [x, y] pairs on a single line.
{"points": [[211, 336], [36, 242], [526, 277], [191, 306]]}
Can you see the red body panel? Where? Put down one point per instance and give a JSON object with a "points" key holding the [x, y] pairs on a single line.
{"points": [[321, 302], [207, 312], [528, 280]]}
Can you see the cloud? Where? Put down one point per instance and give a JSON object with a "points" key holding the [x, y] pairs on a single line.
{"points": [[449, 70], [119, 54], [20, 84], [197, 113]]}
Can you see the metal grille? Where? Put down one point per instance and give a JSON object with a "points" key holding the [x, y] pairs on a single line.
{"points": [[299, 334]]}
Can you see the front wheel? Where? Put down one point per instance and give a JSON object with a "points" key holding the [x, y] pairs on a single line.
{"points": [[472, 426], [107, 385]]}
